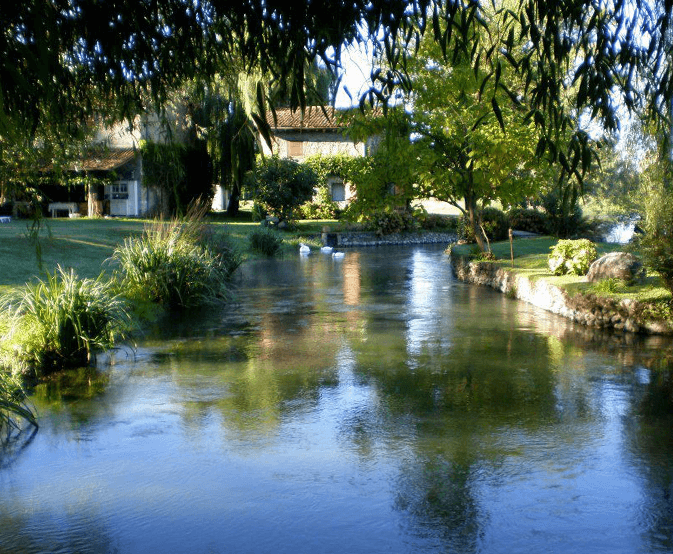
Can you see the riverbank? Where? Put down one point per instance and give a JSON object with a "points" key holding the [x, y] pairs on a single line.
{"points": [[364, 238], [589, 309]]}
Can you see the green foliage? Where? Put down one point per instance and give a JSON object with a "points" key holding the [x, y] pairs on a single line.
{"points": [[265, 241], [390, 220], [181, 173], [324, 166], [438, 222], [611, 285], [174, 265], [282, 185], [13, 408], [529, 220], [656, 245], [228, 258], [564, 215], [340, 166], [474, 144], [321, 206], [259, 212], [229, 134], [572, 257], [494, 222], [386, 178], [61, 322]]}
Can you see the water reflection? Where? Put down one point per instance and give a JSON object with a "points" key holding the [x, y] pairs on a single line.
{"points": [[373, 402]]}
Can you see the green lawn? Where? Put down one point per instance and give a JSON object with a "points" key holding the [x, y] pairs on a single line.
{"points": [[85, 244], [530, 259]]}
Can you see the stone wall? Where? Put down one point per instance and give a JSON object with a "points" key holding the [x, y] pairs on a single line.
{"points": [[372, 239], [586, 309]]}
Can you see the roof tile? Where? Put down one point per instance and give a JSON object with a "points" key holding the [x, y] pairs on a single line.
{"points": [[313, 118], [107, 160]]}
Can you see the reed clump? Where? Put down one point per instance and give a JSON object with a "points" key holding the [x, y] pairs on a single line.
{"points": [[265, 241], [60, 322], [177, 263], [14, 412]]}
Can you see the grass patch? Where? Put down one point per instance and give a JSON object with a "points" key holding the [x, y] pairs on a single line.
{"points": [[82, 244], [85, 244], [265, 241], [530, 259]]}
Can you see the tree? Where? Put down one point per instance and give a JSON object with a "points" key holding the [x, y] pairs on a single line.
{"points": [[384, 179], [474, 143], [57, 57], [223, 109], [282, 185]]}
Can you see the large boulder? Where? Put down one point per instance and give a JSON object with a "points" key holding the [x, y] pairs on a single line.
{"points": [[617, 265]]}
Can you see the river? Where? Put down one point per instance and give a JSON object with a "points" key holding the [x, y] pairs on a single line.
{"points": [[364, 405]]}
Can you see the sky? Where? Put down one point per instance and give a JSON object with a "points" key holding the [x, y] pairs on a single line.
{"points": [[357, 67]]}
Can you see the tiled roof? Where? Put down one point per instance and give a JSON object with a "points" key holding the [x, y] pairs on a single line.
{"points": [[313, 118], [107, 160]]}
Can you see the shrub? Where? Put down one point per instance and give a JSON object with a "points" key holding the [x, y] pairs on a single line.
{"points": [[171, 264], [390, 220], [437, 221], [265, 241], [529, 220], [259, 213], [610, 285], [282, 185], [61, 322], [321, 206], [572, 257], [564, 217], [656, 245], [219, 244], [494, 221]]}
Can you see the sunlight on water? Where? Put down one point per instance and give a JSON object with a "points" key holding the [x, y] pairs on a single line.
{"points": [[368, 405]]}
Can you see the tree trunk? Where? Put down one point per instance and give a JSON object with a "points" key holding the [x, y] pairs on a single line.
{"points": [[234, 200], [475, 221], [92, 200]]}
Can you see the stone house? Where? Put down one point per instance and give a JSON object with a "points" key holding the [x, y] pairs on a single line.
{"points": [[115, 154], [118, 154], [316, 131]]}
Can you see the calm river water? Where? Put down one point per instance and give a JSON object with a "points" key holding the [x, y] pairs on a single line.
{"points": [[370, 404]]}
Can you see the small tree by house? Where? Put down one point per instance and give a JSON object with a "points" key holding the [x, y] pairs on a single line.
{"points": [[282, 185]]}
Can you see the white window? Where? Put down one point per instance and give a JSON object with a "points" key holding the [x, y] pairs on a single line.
{"points": [[120, 191], [338, 192]]}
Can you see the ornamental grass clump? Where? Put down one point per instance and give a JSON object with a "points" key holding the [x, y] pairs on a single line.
{"points": [[60, 323], [572, 257], [14, 412], [265, 241], [173, 264]]}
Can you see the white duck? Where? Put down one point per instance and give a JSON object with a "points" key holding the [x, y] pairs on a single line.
{"points": [[304, 250], [326, 249], [338, 255]]}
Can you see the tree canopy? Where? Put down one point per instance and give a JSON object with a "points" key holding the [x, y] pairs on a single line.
{"points": [[474, 141], [60, 58]]}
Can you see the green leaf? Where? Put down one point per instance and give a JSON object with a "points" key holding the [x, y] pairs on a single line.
{"points": [[498, 113]]}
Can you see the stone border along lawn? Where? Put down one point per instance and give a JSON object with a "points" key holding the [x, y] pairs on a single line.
{"points": [[367, 238], [621, 312]]}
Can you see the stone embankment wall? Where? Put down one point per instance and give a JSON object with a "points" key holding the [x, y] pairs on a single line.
{"points": [[587, 309], [372, 239]]}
